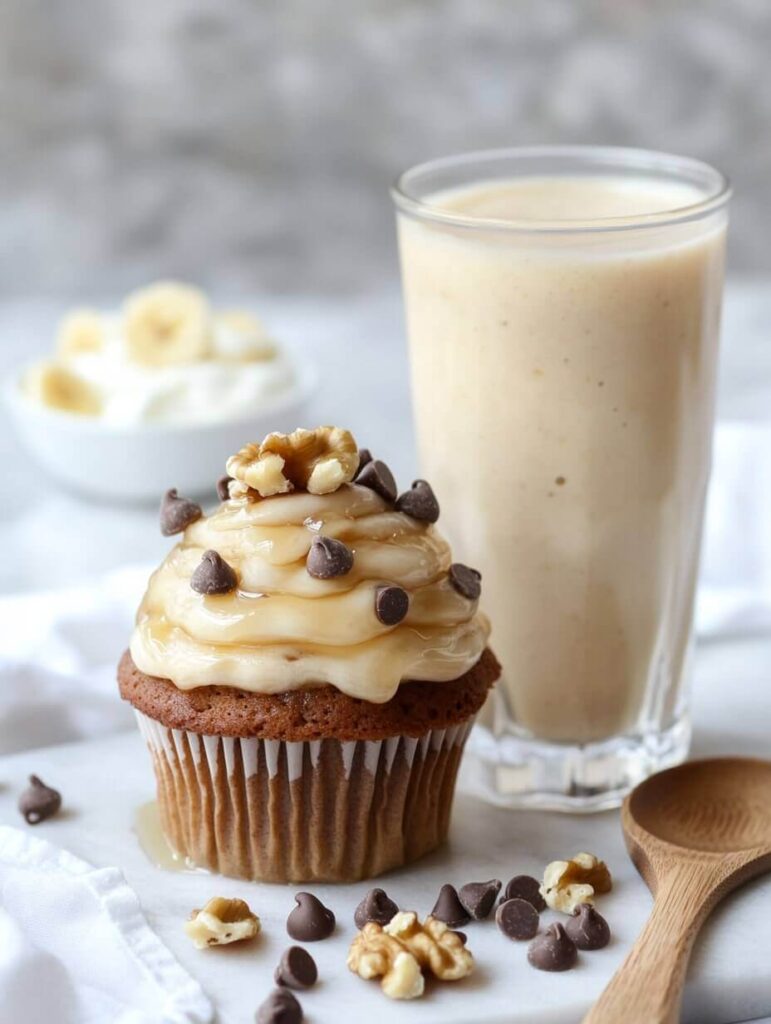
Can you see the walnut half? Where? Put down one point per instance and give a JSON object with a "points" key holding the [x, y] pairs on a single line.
{"points": [[568, 883], [318, 461], [399, 953], [222, 921]]}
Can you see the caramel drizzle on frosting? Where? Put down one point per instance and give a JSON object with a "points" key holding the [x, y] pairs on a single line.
{"points": [[282, 628]]}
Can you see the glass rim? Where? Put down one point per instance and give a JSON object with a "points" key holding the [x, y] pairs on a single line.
{"points": [[607, 158]]}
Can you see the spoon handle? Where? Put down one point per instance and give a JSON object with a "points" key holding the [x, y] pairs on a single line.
{"points": [[648, 986]]}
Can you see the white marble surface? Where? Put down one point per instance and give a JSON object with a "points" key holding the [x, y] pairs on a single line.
{"points": [[104, 782]]}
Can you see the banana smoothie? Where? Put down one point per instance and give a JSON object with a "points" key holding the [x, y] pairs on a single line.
{"points": [[563, 334]]}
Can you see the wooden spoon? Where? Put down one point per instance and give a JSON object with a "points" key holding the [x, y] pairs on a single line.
{"points": [[694, 833]]}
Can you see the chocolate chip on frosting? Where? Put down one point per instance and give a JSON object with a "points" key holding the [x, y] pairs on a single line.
{"points": [[379, 478], [419, 502], [587, 928], [391, 605], [310, 920], [177, 513], [479, 897], [525, 887], [517, 918], [466, 581], [223, 489], [552, 951], [328, 558], [296, 969], [448, 908], [39, 801], [365, 457], [213, 575], [375, 906], [280, 1007]]}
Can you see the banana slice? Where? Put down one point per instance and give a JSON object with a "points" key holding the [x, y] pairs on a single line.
{"points": [[167, 324], [60, 388], [81, 330], [241, 337]]}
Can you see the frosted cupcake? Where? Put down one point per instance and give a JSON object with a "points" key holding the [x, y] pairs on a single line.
{"points": [[306, 665]]}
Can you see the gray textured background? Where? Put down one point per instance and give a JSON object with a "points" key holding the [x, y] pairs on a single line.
{"points": [[248, 145]]}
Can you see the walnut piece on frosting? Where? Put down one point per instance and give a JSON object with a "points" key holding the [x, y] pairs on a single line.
{"points": [[399, 953], [568, 883], [318, 461], [222, 921]]}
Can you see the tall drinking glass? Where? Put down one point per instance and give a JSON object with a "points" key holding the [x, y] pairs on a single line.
{"points": [[563, 309]]}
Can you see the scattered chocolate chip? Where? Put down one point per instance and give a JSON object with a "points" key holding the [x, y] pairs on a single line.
{"points": [[365, 457], [525, 887], [39, 801], [310, 920], [177, 513], [517, 919], [479, 897], [588, 929], [223, 492], [391, 605], [419, 502], [328, 558], [466, 581], [552, 951], [462, 936], [375, 906], [448, 908], [280, 1007], [296, 969], [379, 478], [213, 575]]}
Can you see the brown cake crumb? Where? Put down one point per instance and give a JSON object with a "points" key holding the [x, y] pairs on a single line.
{"points": [[316, 712]]}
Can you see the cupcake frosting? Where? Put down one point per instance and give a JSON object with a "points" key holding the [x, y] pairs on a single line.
{"points": [[280, 627]]}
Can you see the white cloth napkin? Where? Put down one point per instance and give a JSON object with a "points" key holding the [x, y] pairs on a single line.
{"points": [[58, 661], [75, 947]]}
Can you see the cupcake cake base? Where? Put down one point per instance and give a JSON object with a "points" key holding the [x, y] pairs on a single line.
{"points": [[248, 787]]}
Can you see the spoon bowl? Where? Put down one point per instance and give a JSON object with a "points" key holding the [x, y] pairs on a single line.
{"points": [[716, 806], [694, 833]]}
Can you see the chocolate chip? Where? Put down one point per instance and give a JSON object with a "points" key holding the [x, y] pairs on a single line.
{"points": [[328, 558], [296, 969], [310, 920], [280, 1007], [552, 951], [588, 929], [391, 605], [525, 887], [177, 513], [479, 897], [223, 493], [466, 581], [365, 457], [39, 801], [517, 919], [448, 908], [375, 906], [419, 502], [463, 937], [213, 575], [379, 478]]}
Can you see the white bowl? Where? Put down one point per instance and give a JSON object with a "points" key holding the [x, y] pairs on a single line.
{"points": [[139, 462]]}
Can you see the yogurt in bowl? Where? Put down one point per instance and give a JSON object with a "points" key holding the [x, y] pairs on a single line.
{"points": [[153, 395]]}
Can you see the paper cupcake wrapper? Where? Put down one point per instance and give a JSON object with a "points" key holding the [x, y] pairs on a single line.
{"points": [[322, 810]]}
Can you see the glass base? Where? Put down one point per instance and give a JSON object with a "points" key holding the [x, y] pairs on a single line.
{"points": [[513, 771]]}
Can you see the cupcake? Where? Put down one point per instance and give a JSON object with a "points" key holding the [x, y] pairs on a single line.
{"points": [[306, 665]]}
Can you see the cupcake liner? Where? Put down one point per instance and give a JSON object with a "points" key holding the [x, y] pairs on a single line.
{"points": [[322, 810]]}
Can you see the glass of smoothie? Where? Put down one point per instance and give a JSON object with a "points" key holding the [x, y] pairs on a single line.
{"points": [[563, 311]]}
